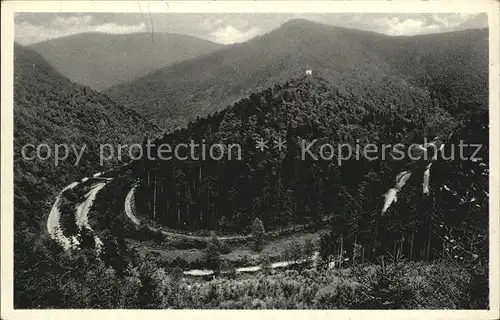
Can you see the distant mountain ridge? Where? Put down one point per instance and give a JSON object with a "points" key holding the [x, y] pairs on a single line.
{"points": [[101, 60], [440, 65]]}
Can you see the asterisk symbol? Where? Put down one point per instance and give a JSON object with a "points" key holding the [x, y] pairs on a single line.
{"points": [[261, 144], [279, 144]]}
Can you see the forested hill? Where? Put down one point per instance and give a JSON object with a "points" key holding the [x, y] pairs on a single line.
{"points": [[101, 60], [451, 67], [277, 185], [50, 109], [283, 189]]}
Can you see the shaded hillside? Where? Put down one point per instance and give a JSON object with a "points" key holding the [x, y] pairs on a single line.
{"points": [[174, 95], [444, 218], [50, 109], [101, 60], [452, 66], [301, 108], [441, 211], [280, 187]]}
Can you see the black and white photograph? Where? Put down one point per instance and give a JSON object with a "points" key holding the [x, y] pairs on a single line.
{"points": [[250, 160]]}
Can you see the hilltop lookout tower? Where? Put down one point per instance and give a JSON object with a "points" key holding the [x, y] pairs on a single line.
{"points": [[309, 72]]}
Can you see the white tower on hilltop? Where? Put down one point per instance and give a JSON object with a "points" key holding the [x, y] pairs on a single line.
{"points": [[309, 72]]}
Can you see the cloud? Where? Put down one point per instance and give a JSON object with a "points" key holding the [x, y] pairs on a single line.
{"points": [[26, 33], [80, 20], [230, 28], [397, 27], [413, 24], [115, 28], [35, 27], [229, 34]]}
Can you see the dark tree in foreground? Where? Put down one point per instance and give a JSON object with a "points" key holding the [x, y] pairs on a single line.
{"points": [[258, 233]]}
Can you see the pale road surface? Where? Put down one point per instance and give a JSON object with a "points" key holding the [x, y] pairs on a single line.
{"points": [[280, 264], [128, 206], [81, 212], [53, 220], [53, 223], [391, 195]]}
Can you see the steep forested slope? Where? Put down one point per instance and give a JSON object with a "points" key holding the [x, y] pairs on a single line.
{"points": [[174, 95], [101, 60], [441, 210], [275, 185], [280, 186], [50, 109], [452, 66], [444, 218]]}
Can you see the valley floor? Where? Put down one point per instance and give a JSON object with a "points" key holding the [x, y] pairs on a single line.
{"points": [[284, 272], [404, 285], [239, 255]]}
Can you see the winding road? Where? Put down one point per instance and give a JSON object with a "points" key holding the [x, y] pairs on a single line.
{"points": [[53, 221], [81, 212], [129, 211], [249, 269], [401, 179]]}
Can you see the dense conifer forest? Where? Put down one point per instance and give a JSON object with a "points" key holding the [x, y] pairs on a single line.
{"points": [[328, 219]]}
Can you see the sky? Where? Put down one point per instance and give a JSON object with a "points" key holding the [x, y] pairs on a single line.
{"points": [[231, 28]]}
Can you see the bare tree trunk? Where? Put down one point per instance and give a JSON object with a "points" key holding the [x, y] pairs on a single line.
{"points": [[443, 253], [178, 216], [341, 251], [375, 237], [198, 192], [149, 199], [400, 253], [394, 251], [411, 244], [154, 200], [167, 210], [427, 254]]}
